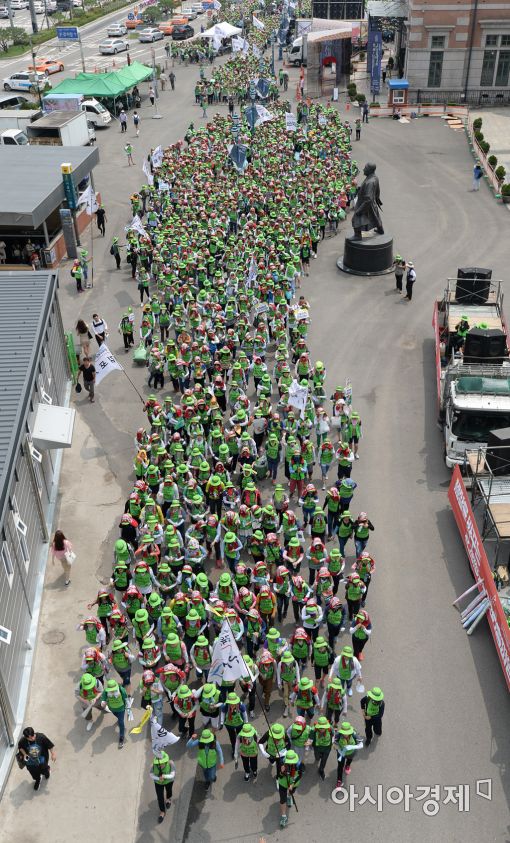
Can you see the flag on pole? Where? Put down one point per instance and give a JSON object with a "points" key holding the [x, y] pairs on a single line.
{"points": [[105, 363], [252, 272], [227, 663], [136, 730], [258, 23], [298, 396], [88, 198], [156, 157], [264, 114], [160, 737], [147, 171], [136, 225]]}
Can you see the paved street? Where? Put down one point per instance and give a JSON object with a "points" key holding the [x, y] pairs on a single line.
{"points": [[447, 704]]}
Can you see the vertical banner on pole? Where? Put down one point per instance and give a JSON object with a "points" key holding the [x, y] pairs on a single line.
{"points": [[376, 61]]}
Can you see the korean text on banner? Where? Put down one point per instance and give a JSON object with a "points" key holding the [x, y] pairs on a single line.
{"points": [[227, 663], [105, 363]]}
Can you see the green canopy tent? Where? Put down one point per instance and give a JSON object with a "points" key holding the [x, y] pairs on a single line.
{"points": [[105, 85]]}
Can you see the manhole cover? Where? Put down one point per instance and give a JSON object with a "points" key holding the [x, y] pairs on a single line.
{"points": [[53, 637]]}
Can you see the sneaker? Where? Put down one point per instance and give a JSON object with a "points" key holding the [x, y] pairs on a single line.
{"points": [[37, 785], [356, 456], [255, 774], [267, 707], [286, 711], [121, 744], [247, 777], [252, 715], [89, 725], [347, 769], [339, 782], [161, 818], [350, 692], [168, 803], [67, 582], [283, 821]]}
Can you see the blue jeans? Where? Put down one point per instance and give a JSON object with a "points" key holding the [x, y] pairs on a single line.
{"points": [[360, 545], [332, 523], [209, 773], [273, 468], [342, 541], [120, 715]]}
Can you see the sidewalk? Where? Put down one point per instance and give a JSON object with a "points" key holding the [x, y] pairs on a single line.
{"points": [[496, 130]]}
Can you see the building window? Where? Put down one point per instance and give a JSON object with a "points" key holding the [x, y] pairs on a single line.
{"points": [[505, 40], [435, 69], [7, 560], [437, 42], [21, 532], [488, 68], [502, 73], [491, 40]]}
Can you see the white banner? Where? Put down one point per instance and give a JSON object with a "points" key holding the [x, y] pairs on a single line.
{"points": [[237, 44], [291, 122], [105, 362], [136, 225], [88, 198], [160, 737], [227, 662], [258, 23], [252, 272], [157, 157], [147, 170], [246, 47], [298, 396], [264, 114]]}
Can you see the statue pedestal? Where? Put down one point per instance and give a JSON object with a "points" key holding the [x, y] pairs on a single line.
{"points": [[368, 256]]}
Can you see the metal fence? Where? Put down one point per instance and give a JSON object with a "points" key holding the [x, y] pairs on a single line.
{"points": [[479, 99]]}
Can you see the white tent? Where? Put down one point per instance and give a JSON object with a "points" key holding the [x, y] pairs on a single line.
{"points": [[222, 30]]}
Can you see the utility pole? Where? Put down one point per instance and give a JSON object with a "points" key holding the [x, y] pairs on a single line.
{"points": [[33, 17], [37, 87], [9, 11]]}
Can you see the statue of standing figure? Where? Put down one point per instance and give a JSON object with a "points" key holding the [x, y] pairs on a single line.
{"points": [[366, 215]]}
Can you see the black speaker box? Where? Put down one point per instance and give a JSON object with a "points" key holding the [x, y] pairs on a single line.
{"points": [[485, 345], [498, 451], [473, 285]]}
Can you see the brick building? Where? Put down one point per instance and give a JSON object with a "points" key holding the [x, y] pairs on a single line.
{"points": [[460, 48]]}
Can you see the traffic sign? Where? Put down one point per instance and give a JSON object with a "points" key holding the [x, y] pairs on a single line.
{"points": [[67, 33]]}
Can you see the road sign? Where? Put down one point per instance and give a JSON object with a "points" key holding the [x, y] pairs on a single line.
{"points": [[67, 33]]}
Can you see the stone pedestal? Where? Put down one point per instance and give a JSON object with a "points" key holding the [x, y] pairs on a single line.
{"points": [[372, 255]]}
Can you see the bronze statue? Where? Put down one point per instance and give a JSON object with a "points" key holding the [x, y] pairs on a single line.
{"points": [[366, 213]]}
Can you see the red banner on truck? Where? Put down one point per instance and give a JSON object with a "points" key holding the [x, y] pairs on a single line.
{"points": [[477, 556]]}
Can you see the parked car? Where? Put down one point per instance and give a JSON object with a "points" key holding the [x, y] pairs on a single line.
{"points": [[197, 7], [112, 46], [116, 30], [47, 66], [182, 32], [150, 33], [19, 4], [26, 81], [4, 12], [39, 8], [166, 27], [190, 14]]}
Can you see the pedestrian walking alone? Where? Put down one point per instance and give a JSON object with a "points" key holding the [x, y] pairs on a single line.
{"points": [[372, 705], [136, 123], [152, 95], [410, 279], [123, 121], [477, 176], [128, 149], [84, 337], [163, 774], [100, 328], [171, 76], [35, 750], [89, 377], [101, 219], [62, 549], [114, 250], [365, 111], [162, 79], [358, 129]]}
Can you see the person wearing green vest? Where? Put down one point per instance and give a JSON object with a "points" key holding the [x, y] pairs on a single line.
{"points": [[209, 756], [288, 780], [361, 630], [334, 701], [162, 773], [354, 591], [347, 743], [372, 705], [298, 734], [305, 696], [201, 656], [362, 529], [115, 698], [209, 701], [276, 744], [89, 693], [321, 735], [347, 668], [247, 747], [121, 658], [233, 715], [322, 658], [288, 675]]}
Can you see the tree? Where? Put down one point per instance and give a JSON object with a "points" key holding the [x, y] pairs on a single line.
{"points": [[166, 6], [151, 14], [16, 35]]}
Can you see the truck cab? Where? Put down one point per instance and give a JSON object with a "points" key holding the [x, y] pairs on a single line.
{"points": [[14, 137], [476, 405], [297, 54]]}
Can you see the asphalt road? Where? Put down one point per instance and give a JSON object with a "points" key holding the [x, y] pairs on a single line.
{"points": [[447, 703], [92, 35]]}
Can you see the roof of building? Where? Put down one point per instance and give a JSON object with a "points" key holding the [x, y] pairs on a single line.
{"points": [[25, 304], [387, 8], [57, 119], [31, 180]]}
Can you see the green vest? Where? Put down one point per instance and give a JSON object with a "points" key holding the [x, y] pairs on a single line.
{"points": [[142, 577], [274, 747], [208, 704], [207, 758], [233, 716], [115, 703], [320, 657], [248, 746], [120, 660], [323, 736], [299, 738], [345, 670], [161, 767], [373, 708], [300, 648], [353, 592]]}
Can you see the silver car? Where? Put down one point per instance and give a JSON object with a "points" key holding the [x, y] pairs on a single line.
{"points": [[150, 34], [113, 45], [116, 30]]}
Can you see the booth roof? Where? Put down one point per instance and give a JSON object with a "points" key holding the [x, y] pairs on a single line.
{"points": [[105, 84]]}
